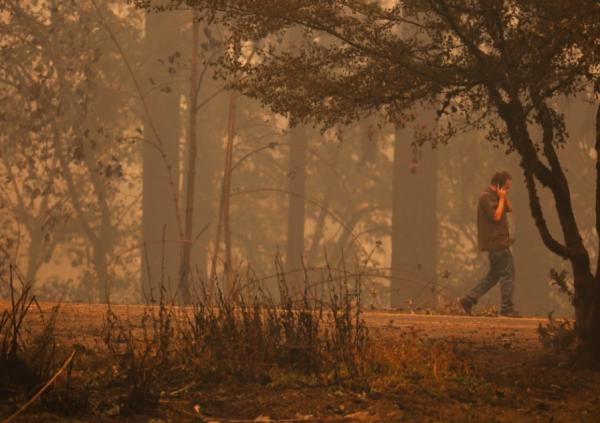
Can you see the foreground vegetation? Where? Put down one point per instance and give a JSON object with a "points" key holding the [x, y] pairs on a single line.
{"points": [[249, 357]]}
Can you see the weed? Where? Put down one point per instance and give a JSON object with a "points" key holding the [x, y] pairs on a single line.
{"points": [[558, 334], [141, 356], [254, 337], [246, 336], [28, 358]]}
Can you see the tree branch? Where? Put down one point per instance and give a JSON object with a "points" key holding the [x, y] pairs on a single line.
{"points": [[315, 203], [443, 11], [547, 124], [560, 189], [536, 211], [513, 115]]}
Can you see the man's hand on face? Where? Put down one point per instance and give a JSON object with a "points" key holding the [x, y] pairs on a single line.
{"points": [[501, 191]]}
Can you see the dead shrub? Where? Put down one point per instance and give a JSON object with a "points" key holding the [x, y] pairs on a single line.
{"points": [[29, 356], [251, 337], [557, 334], [247, 337], [141, 355]]}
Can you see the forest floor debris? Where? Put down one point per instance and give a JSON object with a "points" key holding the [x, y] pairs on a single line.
{"points": [[447, 368]]}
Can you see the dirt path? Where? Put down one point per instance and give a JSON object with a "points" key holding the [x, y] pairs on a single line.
{"points": [[448, 325], [433, 324]]}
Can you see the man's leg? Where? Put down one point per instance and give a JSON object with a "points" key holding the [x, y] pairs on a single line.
{"points": [[488, 280], [507, 278]]}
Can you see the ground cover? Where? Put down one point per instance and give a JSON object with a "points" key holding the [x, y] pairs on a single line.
{"points": [[422, 368]]}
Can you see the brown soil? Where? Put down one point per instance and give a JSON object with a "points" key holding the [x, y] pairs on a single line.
{"points": [[447, 369]]}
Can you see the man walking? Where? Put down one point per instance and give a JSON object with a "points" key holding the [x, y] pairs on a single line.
{"points": [[493, 237]]}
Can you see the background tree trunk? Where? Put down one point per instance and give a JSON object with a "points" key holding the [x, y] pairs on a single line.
{"points": [[231, 130], [224, 224], [190, 180], [160, 159], [296, 212], [414, 222], [212, 122]]}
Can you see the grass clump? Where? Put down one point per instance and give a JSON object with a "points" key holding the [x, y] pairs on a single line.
{"points": [[557, 334], [246, 336], [150, 359], [139, 356], [29, 355]]}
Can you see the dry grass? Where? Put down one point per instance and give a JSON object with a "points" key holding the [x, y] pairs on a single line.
{"points": [[299, 358]]}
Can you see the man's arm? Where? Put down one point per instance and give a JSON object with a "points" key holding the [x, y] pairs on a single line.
{"points": [[501, 204], [499, 209]]}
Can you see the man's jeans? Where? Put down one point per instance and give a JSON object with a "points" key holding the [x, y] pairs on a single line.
{"points": [[502, 269]]}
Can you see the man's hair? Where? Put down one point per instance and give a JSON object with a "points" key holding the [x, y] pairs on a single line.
{"points": [[500, 178]]}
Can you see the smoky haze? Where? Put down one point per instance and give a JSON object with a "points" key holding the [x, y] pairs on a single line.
{"points": [[127, 165]]}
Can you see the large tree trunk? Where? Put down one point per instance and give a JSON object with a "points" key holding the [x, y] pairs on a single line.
{"points": [[414, 222], [231, 130], [578, 116], [190, 180], [587, 313], [160, 161], [296, 213], [211, 117], [587, 287], [532, 259], [211, 120], [552, 176], [223, 224]]}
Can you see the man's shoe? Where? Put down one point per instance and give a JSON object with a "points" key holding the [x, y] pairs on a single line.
{"points": [[467, 305], [510, 313]]}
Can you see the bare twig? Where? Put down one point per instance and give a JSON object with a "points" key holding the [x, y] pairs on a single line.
{"points": [[147, 113], [41, 391]]}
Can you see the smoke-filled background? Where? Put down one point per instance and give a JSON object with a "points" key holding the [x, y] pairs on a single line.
{"points": [[127, 165]]}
